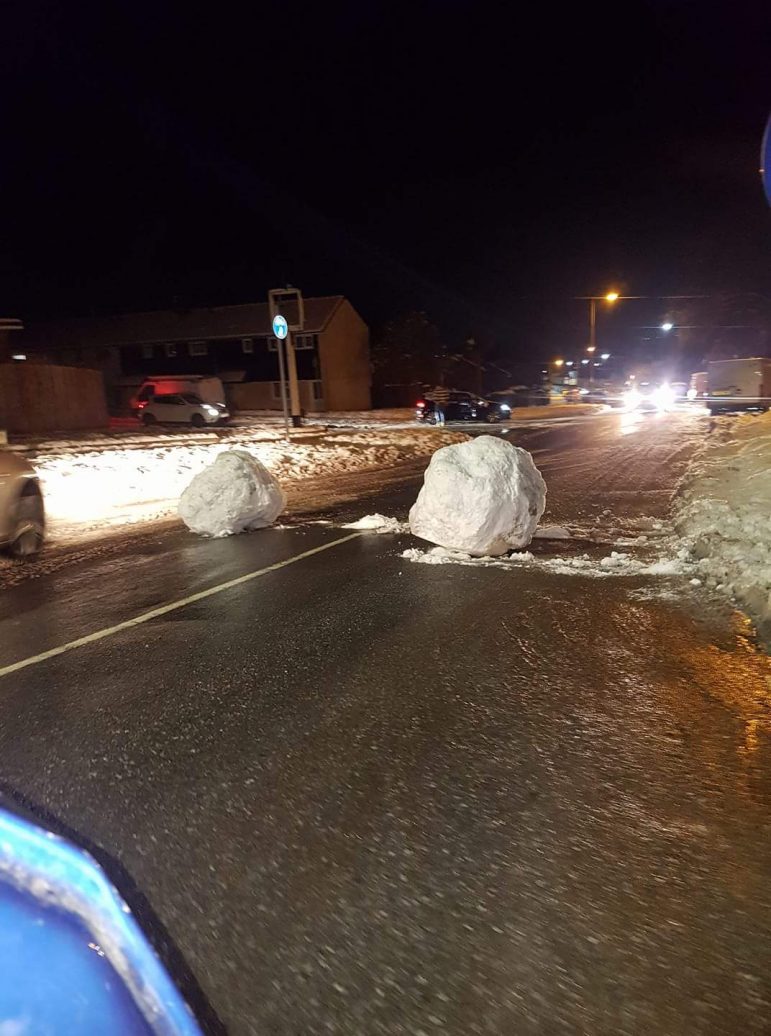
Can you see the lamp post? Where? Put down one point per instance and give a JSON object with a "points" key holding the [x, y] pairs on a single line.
{"points": [[611, 296]]}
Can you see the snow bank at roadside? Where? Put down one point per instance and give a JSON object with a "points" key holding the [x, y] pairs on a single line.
{"points": [[91, 489], [724, 513]]}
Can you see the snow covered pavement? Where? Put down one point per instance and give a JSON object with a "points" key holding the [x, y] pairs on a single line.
{"points": [[96, 490], [724, 513]]}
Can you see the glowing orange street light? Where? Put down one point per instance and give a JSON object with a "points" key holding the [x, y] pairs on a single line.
{"points": [[558, 363], [611, 296]]}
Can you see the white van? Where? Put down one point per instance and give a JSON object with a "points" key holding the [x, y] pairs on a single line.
{"points": [[743, 384], [207, 389]]}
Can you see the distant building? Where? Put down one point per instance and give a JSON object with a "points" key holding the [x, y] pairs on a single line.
{"points": [[233, 342]]}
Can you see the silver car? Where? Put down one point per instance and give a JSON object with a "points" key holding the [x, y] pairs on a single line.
{"points": [[22, 515], [182, 408]]}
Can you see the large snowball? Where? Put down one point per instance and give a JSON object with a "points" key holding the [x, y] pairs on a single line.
{"points": [[233, 494], [482, 497]]}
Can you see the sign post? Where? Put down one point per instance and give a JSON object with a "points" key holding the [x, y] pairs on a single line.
{"points": [[294, 385], [286, 306], [280, 330]]}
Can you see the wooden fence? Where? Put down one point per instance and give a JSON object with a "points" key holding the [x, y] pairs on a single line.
{"points": [[47, 398]]}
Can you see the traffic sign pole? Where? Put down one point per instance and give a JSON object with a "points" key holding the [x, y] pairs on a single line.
{"points": [[288, 301], [282, 377], [294, 385], [281, 330]]}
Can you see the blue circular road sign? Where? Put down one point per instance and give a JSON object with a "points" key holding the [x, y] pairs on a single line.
{"points": [[280, 326]]}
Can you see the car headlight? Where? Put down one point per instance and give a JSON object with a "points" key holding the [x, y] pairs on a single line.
{"points": [[506, 407], [663, 397], [210, 409]]}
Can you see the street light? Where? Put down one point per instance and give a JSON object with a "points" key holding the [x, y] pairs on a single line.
{"points": [[605, 356], [667, 325], [558, 363], [611, 296]]}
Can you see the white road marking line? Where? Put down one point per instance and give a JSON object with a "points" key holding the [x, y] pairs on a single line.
{"points": [[14, 667]]}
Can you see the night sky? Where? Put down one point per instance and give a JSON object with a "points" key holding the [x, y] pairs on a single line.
{"points": [[482, 162]]}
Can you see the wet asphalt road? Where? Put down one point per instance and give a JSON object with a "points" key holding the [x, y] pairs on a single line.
{"points": [[358, 795]]}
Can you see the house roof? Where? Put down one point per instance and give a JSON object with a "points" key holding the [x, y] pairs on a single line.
{"points": [[169, 325]]}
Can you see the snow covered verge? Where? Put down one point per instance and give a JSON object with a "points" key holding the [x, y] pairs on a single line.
{"points": [[723, 512], [96, 490]]}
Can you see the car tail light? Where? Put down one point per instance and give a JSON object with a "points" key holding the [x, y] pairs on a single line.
{"points": [[420, 404]]}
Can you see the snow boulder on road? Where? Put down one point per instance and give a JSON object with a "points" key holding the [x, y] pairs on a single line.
{"points": [[234, 494], [482, 497]]}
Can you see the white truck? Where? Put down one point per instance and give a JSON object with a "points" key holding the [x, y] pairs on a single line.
{"points": [[208, 390], [743, 384]]}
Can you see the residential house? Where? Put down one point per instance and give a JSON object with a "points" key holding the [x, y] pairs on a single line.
{"points": [[233, 342]]}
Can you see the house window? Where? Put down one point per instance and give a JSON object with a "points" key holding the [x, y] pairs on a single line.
{"points": [[148, 351], [198, 348], [301, 342], [247, 345], [171, 349], [318, 390], [305, 342]]}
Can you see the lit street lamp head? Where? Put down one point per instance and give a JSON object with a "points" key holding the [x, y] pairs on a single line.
{"points": [[611, 296], [667, 325]]}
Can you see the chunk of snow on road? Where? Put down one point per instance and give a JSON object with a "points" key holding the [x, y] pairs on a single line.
{"points": [[443, 556], [437, 556], [482, 497], [665, 567], [614, 560], [551, 532], [233, 494], [378, 523], [614, 565]]}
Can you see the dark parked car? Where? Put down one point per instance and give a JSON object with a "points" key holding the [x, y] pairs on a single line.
{"points": [[464, 406], [522, 395]]}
